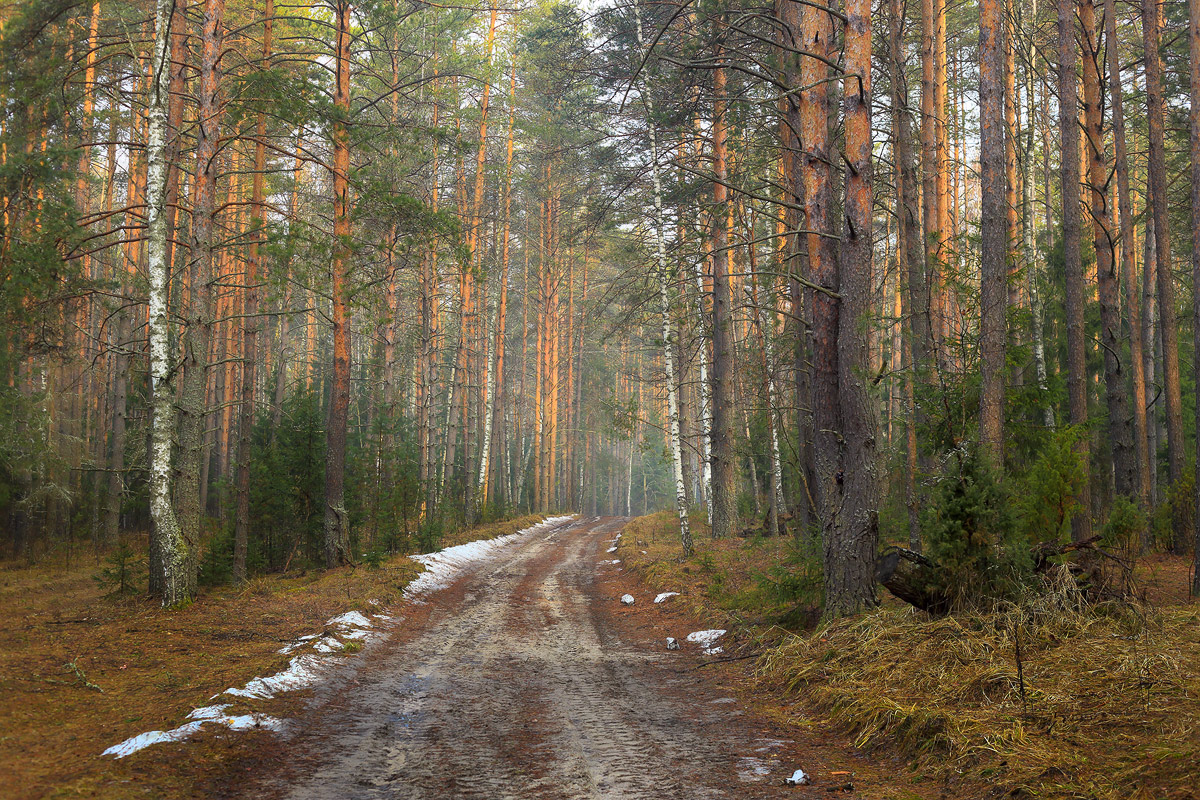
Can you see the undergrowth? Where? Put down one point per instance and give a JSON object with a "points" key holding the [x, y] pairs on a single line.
{"points": [[1046, 697]]}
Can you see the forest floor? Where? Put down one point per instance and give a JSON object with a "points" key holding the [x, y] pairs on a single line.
{"points": [[1048, 698], [525, 677], [82, 669]]}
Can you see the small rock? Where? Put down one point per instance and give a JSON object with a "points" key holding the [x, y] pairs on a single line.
{"points": [[672, 643], [627, 600], [799, 778]]}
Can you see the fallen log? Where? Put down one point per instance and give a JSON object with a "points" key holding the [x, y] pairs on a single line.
{"points": [[912, 576]]}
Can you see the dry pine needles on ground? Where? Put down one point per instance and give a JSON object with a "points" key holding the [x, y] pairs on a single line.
{"points": [[1050, 697]]}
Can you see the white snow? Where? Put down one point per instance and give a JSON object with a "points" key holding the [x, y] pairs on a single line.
{"points": [[188, 729], [627, 599], [208, 712], [672, 643], [328, 644], [351, 619], [706, 638], [302, 672], [665, 595], [443, 566], [612, 550]]}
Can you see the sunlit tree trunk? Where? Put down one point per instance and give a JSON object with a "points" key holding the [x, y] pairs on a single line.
{"points": [[337, 534], [915, 294], [1120, 432], [723, 488], [1128, 259], [1151, 25], [1068, 121], [251, 324], [1194, 129], [172, 548], [994, 240]]}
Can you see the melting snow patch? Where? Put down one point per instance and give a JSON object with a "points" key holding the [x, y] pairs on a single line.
{"points": [[302, 672], [627, 600], [188, 729], [672, 643], [612, 549], [443, 567], [351, 619], [665, 595], [705, 639]]}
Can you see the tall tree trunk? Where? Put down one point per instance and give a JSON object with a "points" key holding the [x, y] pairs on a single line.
{"points": [[994, 241], [1128, 260], [1194, 125], [1068, 120], [665, 279], [724, 491], [1120, 430], [931, 117], [1151, 26], [814, 162], [172, 548], [337, 522], [251, 325], [197, 339], [915, 294], [851, 500]]}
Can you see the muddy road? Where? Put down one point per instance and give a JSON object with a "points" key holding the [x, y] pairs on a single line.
{"points": [[528, 679]]}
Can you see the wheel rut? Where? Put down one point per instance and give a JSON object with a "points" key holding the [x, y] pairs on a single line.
{"points": [[516, 683]]}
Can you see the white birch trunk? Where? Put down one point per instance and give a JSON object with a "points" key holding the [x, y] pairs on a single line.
{"points": [[488, 413], [664, 290], [166, 526], [705, 399]]}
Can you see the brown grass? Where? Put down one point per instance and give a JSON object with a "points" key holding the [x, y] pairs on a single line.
{"points": [[1104, 701], [80, 671]]}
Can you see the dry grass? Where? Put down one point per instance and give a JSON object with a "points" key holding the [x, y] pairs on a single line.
{"points": [[1103, 702], [1049, 698], [80, 671], [735, 579]]}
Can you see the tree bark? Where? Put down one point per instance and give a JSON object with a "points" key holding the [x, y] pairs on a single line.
{"points": [[1151, 27], [1194, 130], [1068, 121], [171, 546], [851, 510], [1128, 261], [1120, 430], [251, 323], [197, 338], [994, 241], [724, 492], [914, 294], [337, 534]]}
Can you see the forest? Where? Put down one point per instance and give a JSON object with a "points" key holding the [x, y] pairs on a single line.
{"points": [[860, 317]]}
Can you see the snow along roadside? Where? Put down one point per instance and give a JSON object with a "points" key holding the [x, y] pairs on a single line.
{"points": [[442, 568]]}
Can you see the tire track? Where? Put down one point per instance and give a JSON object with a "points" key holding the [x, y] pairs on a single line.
{"points": [[514, 689]]}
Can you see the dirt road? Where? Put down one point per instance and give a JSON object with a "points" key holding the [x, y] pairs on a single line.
{"points": [[527, 679]]}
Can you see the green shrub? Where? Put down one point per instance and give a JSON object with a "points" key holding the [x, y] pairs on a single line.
{"points": [[125, 570], [978, 551], [1125, 527], [1045, 495]]}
